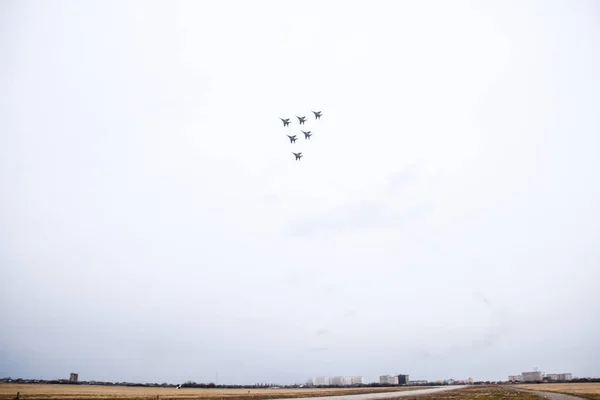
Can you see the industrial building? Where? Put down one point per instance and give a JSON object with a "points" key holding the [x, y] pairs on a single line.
{"points": [[402, 379], [515, 378], [73, 378]]}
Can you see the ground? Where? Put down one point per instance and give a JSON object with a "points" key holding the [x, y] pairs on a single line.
{"points": [[83, 392], [586, 390], [86, 392], [477, 393]]}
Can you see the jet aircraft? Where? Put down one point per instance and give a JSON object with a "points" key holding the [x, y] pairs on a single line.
{"points": [[307, 135], [317, 114], [286, 121], [301, 119], [298, 155], [292, 138]]}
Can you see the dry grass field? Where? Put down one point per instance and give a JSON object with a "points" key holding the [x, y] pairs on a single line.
{"points": [[586, 390], [84, 392], [477, 393]]}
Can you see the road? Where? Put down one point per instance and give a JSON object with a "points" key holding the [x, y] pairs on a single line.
{"points": [[386, 395]]}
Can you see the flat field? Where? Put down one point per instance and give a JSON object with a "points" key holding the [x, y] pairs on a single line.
{"points": [[477, 393], [87, 392], [586, 390]]}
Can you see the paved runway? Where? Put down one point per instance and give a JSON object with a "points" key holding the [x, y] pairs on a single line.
{"points": [[386, 395]]}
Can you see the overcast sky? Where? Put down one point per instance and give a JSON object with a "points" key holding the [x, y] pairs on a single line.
{"points": [[444, 221]]}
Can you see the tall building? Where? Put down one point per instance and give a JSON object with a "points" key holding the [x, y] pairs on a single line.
{"points": [[388, 380], [322, 381], [565, 377], [335, 381], [338, 381], [532, 376], [74, 377], [403, 379]]}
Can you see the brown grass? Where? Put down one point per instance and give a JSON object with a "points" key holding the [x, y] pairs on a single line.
{"points": [[588, 390], [476, 393], [85, 392]]}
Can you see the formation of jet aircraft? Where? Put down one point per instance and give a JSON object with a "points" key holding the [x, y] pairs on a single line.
{"points": [[307, 135], [292, 138]]}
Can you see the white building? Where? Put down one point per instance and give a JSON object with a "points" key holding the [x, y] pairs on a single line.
{"points": [[388, 379], [552, 377], [322, 381], [565, 377], [338, 381], [512, 378], [347, 380], [532, 376]]}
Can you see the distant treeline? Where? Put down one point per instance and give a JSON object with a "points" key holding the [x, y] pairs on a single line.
{"points": [[190, 384]]}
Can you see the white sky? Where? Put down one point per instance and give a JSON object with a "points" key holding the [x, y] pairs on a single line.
{"points": [[444, 221]]}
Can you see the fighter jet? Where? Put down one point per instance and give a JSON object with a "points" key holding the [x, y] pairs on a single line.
{"points": [[292, 138], [301, 119], [307, 135], [286, 121], [317, 114], [298, 155]]}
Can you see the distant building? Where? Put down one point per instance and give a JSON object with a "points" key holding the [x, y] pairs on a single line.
{"points": [[512, 378], [533, 376], [403, 379], [388, 380], [74, 377], [565, 377], [551, 377], [335, 381], [322, 381], [339, 381]]}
